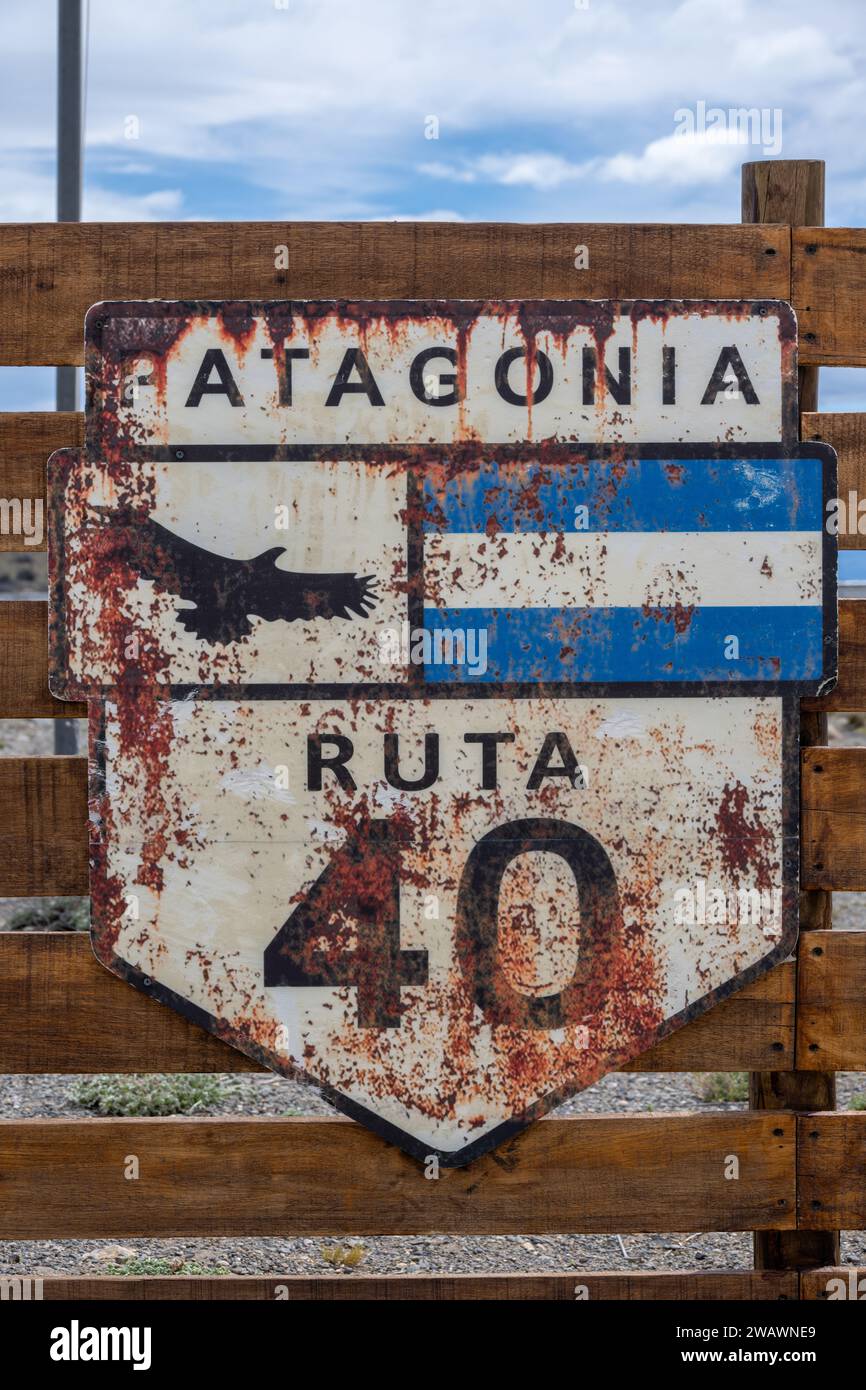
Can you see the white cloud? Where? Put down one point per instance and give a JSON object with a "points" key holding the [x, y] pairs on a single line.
{"points": [[28, 194], [106, 205], [805, 49], [538, 170], [325, 102], [192, 73], [687, 159], [437, 169], [437, 215], [692, 158], [541, 171]]}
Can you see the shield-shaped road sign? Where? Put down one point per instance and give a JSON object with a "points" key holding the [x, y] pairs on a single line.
{"points": [[443, 664]]}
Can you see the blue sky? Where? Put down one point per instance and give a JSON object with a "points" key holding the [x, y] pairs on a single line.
{"points": [[319, 108], [559, 110]]}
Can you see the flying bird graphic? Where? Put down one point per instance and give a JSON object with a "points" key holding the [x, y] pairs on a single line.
{"points": [[225, 591]]}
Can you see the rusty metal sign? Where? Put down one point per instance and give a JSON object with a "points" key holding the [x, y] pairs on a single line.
{"points": [[443, 664]]}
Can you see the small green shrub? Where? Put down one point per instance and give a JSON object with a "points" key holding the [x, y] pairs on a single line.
{"points": [[723, 1086], [143, 1266], [148, 1095], [858, 1102], [343, 1256]]}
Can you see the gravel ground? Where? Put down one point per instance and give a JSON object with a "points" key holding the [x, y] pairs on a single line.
{"points": [[849, 911], [24, 575], [27, 1096], [26, 738]]}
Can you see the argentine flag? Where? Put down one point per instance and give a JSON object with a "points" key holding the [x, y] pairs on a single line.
{"points": [[633, 570]]}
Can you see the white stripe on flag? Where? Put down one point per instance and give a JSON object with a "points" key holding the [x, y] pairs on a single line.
{"points": [[623, 569]]}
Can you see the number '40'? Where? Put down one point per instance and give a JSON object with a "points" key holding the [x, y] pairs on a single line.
{"points": [[347, 929]]}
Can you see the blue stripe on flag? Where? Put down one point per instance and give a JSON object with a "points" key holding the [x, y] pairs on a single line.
{"points": [[631, 644], [632, 495]]}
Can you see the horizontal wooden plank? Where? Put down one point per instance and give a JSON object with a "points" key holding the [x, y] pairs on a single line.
{"points": [[233, 1176], [850, 690], [26, 440], [833, 806], [24, 692], [832, 1168], [838, 1281], [43, 834], [831, 1014], [756, 1022], [24, 663], [845, 431], [51, 273], [829, 294], [43, 848], [43, 843], [684, 1286], [63, 1012]]}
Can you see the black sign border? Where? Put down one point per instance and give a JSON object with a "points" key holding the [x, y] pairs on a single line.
{"points": [[509, 1129], [534, 315], [787, 693]]}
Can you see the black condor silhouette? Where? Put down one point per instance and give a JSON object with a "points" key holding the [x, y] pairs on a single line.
{"points": [[227, 591]]}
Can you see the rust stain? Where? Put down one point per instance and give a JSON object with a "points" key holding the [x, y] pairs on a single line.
{"points": [[554, 971], [745, 837]]}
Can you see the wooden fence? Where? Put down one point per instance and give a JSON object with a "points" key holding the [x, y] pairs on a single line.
{"points": [[802, 1167]]}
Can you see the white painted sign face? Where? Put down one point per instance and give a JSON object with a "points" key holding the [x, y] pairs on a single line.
{"points": [[359, 374], [443, 664], [444, 958]]}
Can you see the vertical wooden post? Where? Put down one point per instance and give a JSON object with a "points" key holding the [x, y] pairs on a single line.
{"points": [[792, 191]]}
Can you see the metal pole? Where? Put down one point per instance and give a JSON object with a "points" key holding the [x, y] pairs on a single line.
{"points": [[69, 105], [69, 162]]}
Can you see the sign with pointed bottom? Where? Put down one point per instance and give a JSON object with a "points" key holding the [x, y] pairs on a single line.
{"points": [[443, 665]]}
